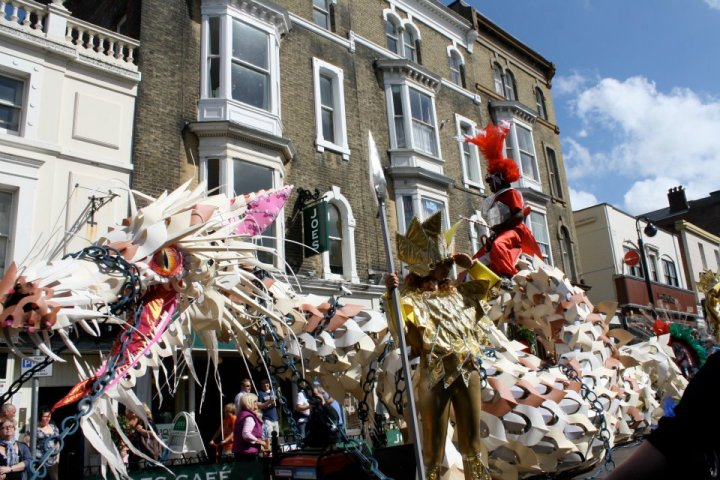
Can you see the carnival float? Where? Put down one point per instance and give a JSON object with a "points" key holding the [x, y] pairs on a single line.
{"points": [[553, 387]]}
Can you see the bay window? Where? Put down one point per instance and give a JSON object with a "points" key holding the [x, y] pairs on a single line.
{"points": [[250, 74], [422, 204], [239, 176], [538, 225], [241, 69], [413, 119]]}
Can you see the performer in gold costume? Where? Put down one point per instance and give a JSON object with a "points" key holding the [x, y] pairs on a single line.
{"points": [[445, 330]]}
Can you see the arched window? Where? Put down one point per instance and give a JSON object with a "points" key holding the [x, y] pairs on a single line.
{"points": [[510, 89], [335, 256], [410, 51], [671, 277], [411, 43], [457, 68], [566, 252], [393, 34], [339, 261], [540, 104], [498, 79]]}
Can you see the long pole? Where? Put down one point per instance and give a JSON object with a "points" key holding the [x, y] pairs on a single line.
{"points": [[643, 260], [34, 408], [412, 421]]}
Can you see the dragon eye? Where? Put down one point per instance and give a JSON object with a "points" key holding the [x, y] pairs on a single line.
{"points": [[167, 262]]}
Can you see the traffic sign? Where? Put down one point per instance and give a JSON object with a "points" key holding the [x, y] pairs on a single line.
{"points": [[631, 258], [28, 363]]}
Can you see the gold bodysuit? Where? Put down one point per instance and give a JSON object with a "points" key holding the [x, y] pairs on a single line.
{"points": [[445, 331], [449, 336]]}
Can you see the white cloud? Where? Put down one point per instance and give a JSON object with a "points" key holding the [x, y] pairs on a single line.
{"points": [[578, 159], [651, 138], [569, 85], [580, 200], [714, 4], [648, 195]]}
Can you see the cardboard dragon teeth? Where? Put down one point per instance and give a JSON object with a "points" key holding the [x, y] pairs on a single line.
{"points": [[186, 265]]}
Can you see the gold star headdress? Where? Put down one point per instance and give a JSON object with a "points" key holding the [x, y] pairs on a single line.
{"points": [[424, 245]]}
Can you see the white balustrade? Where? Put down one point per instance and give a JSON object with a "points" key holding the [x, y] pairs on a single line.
{"points": [[87, 39], [100, 43], [24, 15]]}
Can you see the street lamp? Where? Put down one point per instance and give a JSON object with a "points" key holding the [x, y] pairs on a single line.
{"points": [[650, 230]]}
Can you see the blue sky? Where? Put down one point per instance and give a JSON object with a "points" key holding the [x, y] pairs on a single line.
{"points": [[637, 93]]}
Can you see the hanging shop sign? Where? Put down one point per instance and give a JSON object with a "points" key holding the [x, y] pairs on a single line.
{"points": [[315, 229]]}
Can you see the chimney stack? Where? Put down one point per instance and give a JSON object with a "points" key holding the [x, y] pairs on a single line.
{"points": [[677, 200]]}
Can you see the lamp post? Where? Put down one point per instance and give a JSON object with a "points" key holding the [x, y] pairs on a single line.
{"points": [[650, 230], [379, 186]]}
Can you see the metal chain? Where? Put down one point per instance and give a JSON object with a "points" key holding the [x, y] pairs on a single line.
{"points": [[71, 424], [109, 260], [280, 346], [599, 420], [399, 392], [371, 380], [367, 462], [327, 317], [27, 375]]}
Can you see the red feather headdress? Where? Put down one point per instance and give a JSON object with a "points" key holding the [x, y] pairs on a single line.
{"points": [[490, 142]]}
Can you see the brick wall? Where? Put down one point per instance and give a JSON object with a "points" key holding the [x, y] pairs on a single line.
{"points": [[168, 94]]}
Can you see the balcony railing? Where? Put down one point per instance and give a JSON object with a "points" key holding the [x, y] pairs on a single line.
{"points": [[54, 22]]}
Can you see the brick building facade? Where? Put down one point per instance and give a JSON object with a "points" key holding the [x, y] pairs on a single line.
{"points": [[250, 94]]}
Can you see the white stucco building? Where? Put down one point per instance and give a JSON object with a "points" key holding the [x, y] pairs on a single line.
{"points": [[605, 234], [67, 101]]}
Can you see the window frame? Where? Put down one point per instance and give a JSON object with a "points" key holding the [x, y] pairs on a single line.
{"points": [[416, 195], [472, 152], [226, 165], [335, 198], [223, 107], [513, 151], [540, 103], [402, 31], [510, 85], [340, 145], [556, 186], [670, 273], [652, 255], [566, 252], [528, 221], [20, 108], [456, 64], [477, 227], [703, 258], [12, 205], [404, 88], [327, 11]]}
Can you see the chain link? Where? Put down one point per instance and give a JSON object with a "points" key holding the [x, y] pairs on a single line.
{"points": [[599, 420], [27, 375], [367, 462], [109, 260], [371, 380]]}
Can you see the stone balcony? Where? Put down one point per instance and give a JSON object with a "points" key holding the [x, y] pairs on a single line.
{"points": [[52, 27]]}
